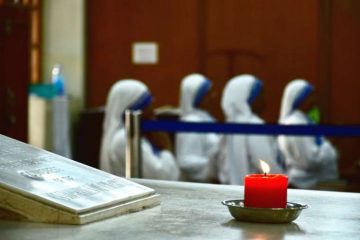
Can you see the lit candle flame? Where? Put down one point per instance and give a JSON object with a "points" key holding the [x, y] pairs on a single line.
{"points": [[265, 167]]}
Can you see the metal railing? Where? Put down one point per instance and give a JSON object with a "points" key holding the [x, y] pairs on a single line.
{"points": [[133, 160], [134, 126]]}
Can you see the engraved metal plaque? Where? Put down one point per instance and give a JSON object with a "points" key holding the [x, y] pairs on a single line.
{"points": [[61, 182]]}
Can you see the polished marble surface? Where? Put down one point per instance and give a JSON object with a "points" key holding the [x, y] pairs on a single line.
{"points": [[194, 211], [60, 182]]}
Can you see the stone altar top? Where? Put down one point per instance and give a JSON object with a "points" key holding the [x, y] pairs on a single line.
{"points": [[194, 211]]}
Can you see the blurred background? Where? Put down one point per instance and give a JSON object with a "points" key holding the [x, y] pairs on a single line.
{"points": [[96, 42]]}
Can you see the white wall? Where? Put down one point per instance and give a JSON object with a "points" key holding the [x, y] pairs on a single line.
{"points": [[64, 42]]}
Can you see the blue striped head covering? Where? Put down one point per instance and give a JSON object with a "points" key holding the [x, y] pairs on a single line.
{"points": [[202, 91], [142, 102], [255, 91]]}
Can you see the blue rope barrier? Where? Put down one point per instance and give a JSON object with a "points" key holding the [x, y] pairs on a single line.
{"points": [[261, 129]]}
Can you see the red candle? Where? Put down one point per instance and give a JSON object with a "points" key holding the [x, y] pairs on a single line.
{"points": [[266, 190]]}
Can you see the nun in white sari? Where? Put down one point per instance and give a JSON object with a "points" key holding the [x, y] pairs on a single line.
{"points": [[194, 150], [157, 163], [244, 151], [309, 159]]}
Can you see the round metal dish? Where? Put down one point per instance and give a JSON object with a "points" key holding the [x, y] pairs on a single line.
{"points": [[264, 215]]}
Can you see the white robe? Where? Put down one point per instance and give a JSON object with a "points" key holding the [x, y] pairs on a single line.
{"points": [[243, 152], [307, 162], [194, 150], [160, 165]]}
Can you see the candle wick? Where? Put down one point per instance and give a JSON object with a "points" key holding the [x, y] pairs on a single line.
{"points": [[265, 174]]}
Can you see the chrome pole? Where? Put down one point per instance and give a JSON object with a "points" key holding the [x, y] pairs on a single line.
{"points": [[133, 164]]}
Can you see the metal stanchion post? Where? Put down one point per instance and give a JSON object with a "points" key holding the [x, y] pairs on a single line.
{"points": [[133, 163]]}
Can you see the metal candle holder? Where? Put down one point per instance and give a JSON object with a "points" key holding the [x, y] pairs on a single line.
{"points": [[264, 215]]}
